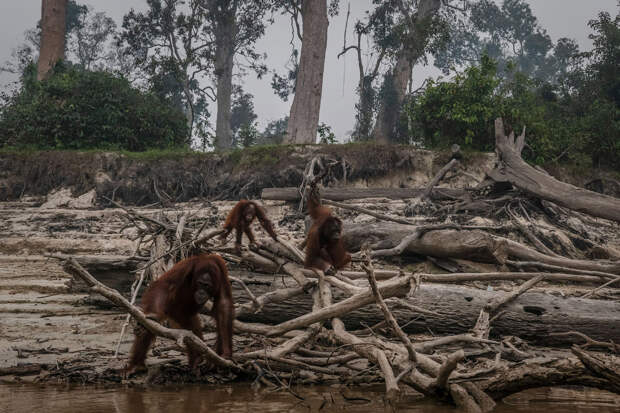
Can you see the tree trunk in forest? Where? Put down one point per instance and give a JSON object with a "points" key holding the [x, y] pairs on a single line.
{"points": [[532, 316], [306, 107], [189, 107], [53, 27], [395, 86], [224, 62], [512, 168], [364, 108]]}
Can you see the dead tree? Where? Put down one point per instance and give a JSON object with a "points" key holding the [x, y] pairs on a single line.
{"points": [[513, 169]]}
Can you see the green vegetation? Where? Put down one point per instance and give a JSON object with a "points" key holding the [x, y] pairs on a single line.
{"points": [[576, 119], [500, 59], [148, 155], [326, 135], [80, 109], [460, 111]]}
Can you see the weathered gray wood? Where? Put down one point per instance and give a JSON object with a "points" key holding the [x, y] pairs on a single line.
{"points": [[512, 168], [532, 316], [544, 373], [438, 177], [472, 245], [22, 370], [107, 262], [343, 194]]}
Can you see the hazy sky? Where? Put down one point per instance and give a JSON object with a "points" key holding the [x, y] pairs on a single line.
{"points": [[561, 18]]}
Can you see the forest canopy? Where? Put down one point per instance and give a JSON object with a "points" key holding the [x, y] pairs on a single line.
{"points": [[573, 117], [174, 63]]}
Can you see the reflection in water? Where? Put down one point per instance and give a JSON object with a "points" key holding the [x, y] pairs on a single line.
{"points": [[242, 398]]}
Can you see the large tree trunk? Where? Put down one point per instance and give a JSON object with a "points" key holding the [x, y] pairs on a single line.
{"points": [[306, 107], [413, 47], [396, 86], [365, 108], [512, 168], [471, 245], [53, 27], [532, 316], [224, 62]]}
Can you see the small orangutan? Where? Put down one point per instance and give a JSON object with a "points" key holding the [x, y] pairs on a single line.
{"points": [[177, 296], [324, 247], [240, 218]]}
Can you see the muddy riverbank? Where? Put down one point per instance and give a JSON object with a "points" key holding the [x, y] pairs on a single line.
{"points": [[142, 179]]}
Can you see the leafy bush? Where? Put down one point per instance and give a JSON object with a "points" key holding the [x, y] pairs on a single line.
{"points": [[326, 135], [248, 135], [79, 109], [459, 111], [580, 125]]}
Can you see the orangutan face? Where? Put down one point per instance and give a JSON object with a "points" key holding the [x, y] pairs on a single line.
{"points": [[249, 213], [332, 229]]}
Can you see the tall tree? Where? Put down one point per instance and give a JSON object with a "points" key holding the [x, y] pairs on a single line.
{"points": [[306, 107], [236, 26], [172, 42], [598, 104], [415, 26], [242, 113], [224, 17], [89, 42], [191, 42], [512, 36], [53, 29], [384, 41]]}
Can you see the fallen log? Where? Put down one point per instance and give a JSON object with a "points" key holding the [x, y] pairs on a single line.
{"points": [[600, 366], [533, 316], [513, 169], [544, 373], [438, 177], [107, 262], [395, 287], [342, 194], [21, 370], [466, 244]]}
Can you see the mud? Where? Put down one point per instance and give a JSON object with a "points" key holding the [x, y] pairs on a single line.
{"points": [[143, 180], [244, 398]]}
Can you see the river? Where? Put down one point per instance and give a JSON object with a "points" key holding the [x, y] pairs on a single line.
{"points": [[243, 398]]}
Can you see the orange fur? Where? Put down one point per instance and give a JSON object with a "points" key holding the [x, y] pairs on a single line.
{"points": [[173, 297], [236, 221], [321, 249]]}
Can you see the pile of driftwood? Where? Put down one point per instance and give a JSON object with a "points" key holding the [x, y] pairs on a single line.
{"points": [[357, 326]]}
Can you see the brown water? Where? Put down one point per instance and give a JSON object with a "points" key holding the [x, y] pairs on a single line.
{"points": [[241, 399]]}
